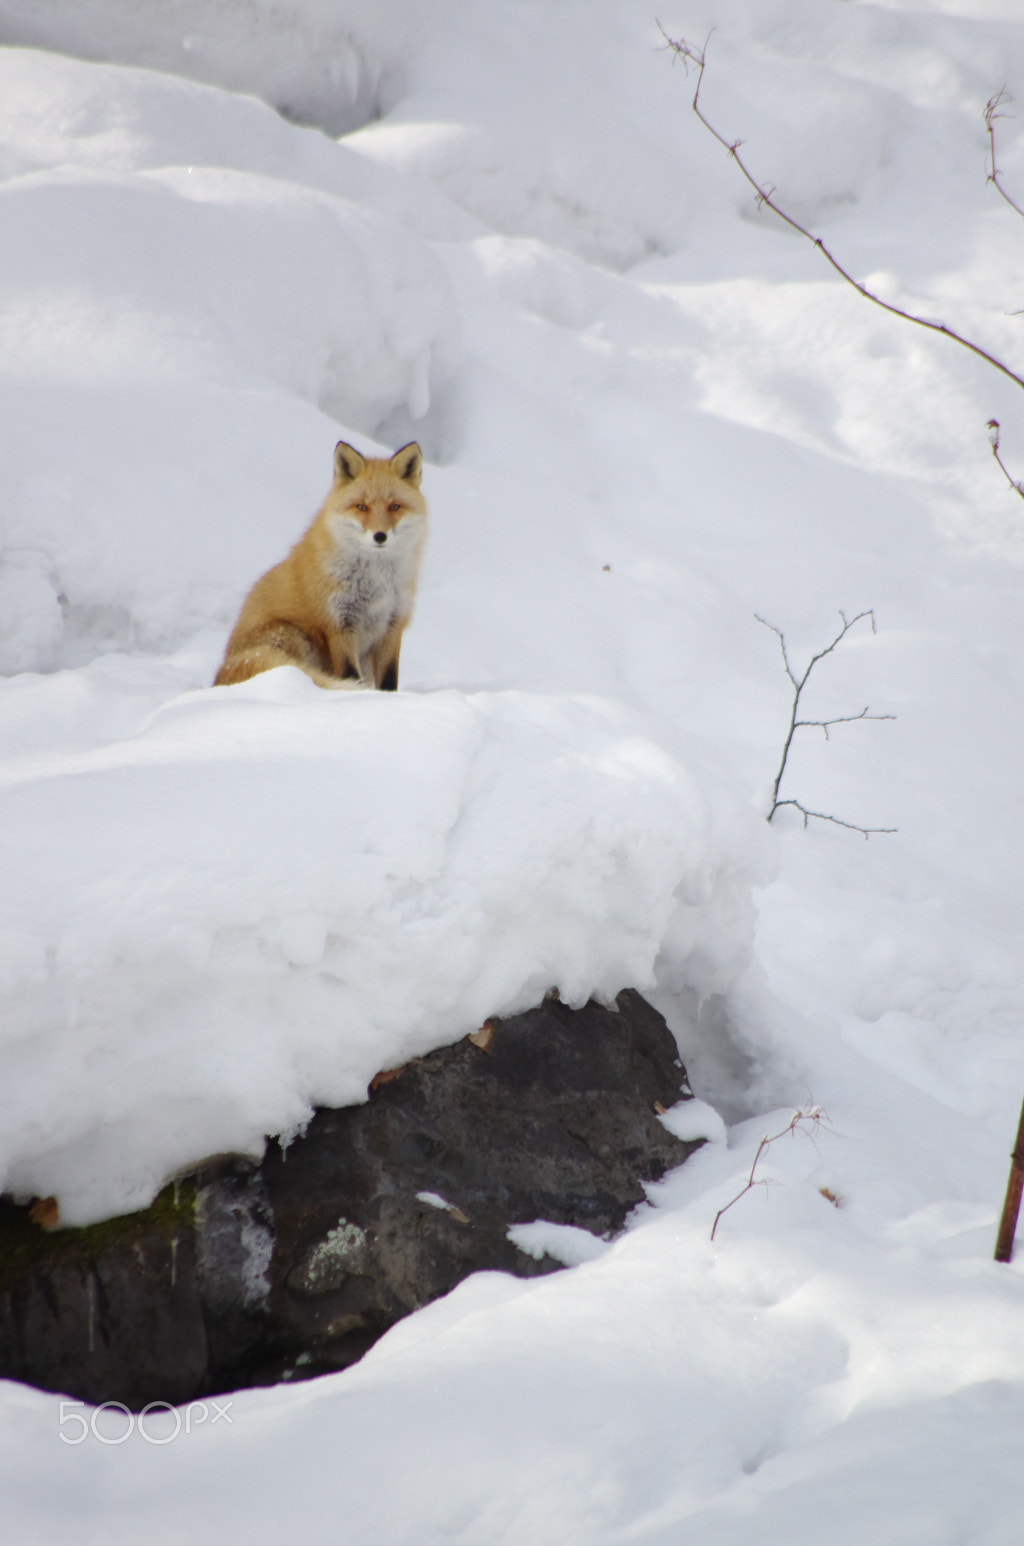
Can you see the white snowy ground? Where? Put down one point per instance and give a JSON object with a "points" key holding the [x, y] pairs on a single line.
{"points": [[649, 413]]}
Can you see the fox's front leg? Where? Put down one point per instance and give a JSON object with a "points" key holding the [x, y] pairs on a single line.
{"points": [[343, 648], [384, 658]]}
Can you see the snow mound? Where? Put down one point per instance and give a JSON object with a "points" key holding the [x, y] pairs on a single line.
{"points": [[310, 63], [564, 1242], [57, 112], [264, 894]]}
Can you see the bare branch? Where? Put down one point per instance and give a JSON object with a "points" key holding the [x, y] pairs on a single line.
{"points": [[782, 643], [851, 826], [796, 723], [765, 195], [993, 440], [841, 719], [813, 1115], [848, 623], [992, 116]]}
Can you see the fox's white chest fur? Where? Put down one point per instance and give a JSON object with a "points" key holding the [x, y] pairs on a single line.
{"points": [[375, 585]]}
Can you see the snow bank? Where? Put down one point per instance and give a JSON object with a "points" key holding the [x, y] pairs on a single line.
{"points": [[260, 896]]}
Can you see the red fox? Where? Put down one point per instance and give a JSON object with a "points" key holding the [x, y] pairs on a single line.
{"points": [[338, 605]]}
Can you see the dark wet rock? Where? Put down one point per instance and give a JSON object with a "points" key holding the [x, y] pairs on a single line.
{"points": [[243, 1274]]}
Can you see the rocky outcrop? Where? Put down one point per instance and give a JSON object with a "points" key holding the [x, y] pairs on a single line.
{"points": [[244, 1274]]}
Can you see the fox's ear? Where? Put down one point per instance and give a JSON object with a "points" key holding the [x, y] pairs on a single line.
{"points": [[348, 464], [407, 464]]}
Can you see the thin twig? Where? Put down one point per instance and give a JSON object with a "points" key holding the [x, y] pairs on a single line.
{"points": [[765, 194], [992, 115], [796, 723], [993, 440], [840, 719], [814, 1115], [851, 826]]}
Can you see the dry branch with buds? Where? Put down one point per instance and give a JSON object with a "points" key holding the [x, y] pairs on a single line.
{"points": [[805, 1122]]}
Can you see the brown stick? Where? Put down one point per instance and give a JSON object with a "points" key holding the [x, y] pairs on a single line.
{"points": [[1014, 1189], [813, 1115]]}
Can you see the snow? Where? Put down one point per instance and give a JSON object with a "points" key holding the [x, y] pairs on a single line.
{"points": [[695, 1119], [268, 865], [649, 413], [564, 1242]]}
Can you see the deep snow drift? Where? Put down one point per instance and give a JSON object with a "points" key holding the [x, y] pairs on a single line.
{"points": [[649, 413]]}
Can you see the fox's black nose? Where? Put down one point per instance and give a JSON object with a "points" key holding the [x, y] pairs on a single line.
{"points": [[380, 537]]}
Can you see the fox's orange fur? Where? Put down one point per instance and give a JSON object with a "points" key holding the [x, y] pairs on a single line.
{"points": [[338, 605]]}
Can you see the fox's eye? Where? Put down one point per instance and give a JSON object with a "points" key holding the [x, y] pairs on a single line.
{"points": [[362, 508], [394, 509]]}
